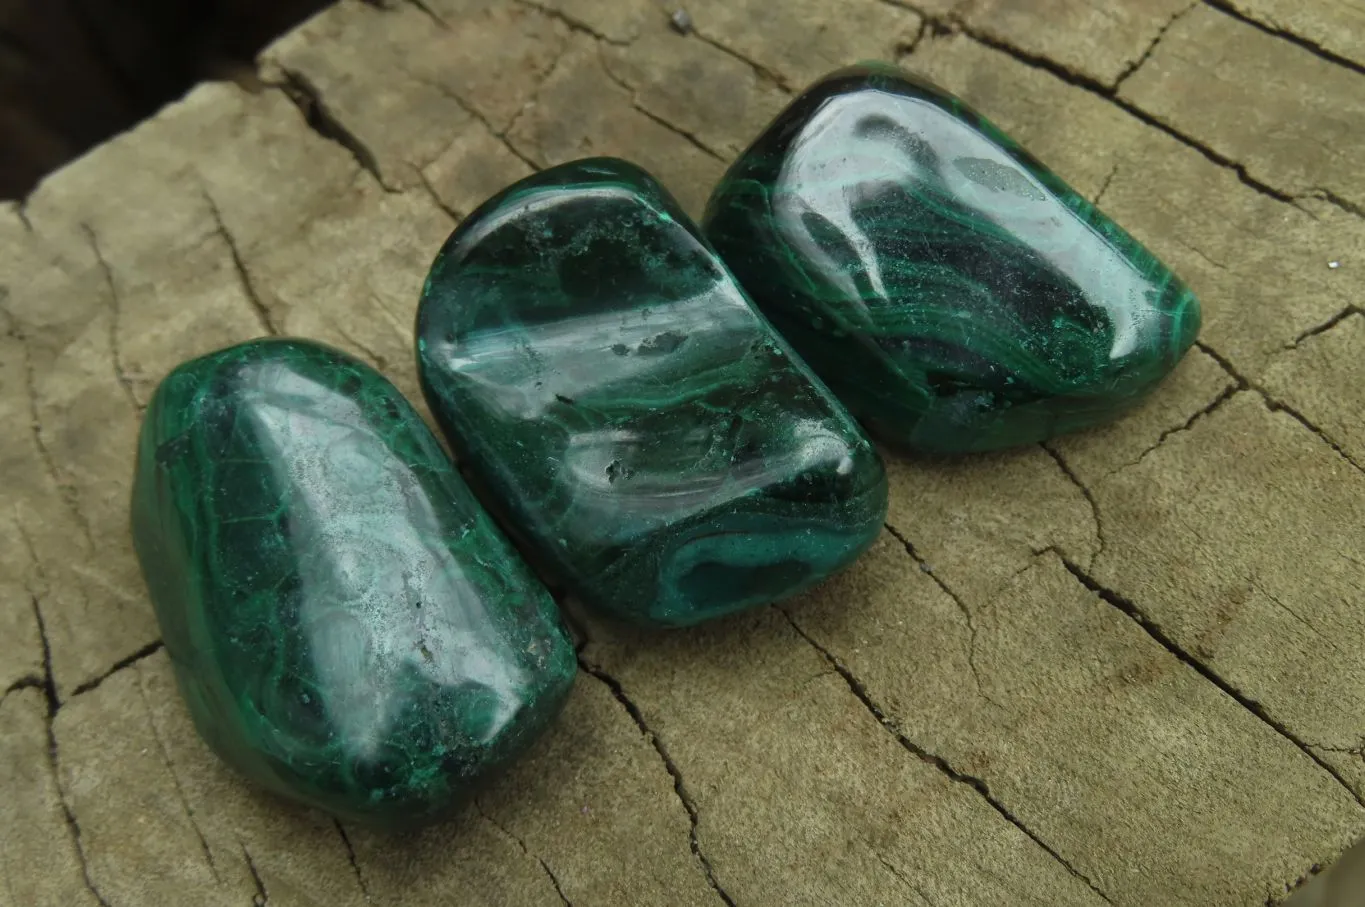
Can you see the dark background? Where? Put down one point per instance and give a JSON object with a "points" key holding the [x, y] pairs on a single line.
{"points": [[75, 72]]}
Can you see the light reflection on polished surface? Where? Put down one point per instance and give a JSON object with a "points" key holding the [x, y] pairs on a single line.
{"points": [[955, 293], [616, 395], [347, 625], [356, 561]]}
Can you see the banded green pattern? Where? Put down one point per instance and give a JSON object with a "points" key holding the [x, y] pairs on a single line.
{"points": [[955, 293], [641, 429], [347, 625]]}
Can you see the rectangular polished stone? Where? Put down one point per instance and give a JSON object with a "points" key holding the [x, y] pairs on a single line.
{"points": [[640, 428]]}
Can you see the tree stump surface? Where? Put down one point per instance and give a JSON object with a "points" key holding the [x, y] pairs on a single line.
{"points": [[1125, 667]]}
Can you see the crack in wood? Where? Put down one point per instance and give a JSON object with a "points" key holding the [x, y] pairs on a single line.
{"points": [[258, 306], [573, 23], [1330, 643], [21, 212], [65, 491], [127, 661], [73, 828], [1208, 409], [1327, 325], [953, 25], [639, 108], [1284, 34], [116, 306], [350, 855], [526, 851], [911, 885], [321, 119], [679, 788], [1104, 186], [1149, 626], [1151, 48], [957, 600], [430, 190], [771, 76], [1274, 404], [175, 782], [928, 26], [500, 135], [975, 783], [1223, 362], [27, 682], [1186, 244], [430, 13], [49, 685], [402, 328], [681, 133], [1331, 198], [43, 679], [50, 692], [378, 361], [542, 80], [262, 896], [555, 882], [1085, 491], [1045, 64]]}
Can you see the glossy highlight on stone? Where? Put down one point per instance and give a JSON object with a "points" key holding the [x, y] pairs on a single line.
{"points": [[954, 292], [641, 429], [348, 627]]}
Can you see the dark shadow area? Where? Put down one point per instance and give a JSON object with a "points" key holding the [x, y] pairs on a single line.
{"points": [[75, 72]]}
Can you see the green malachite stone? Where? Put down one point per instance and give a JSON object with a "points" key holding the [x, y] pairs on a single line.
{"points": [[953, 291], [642, 430], [347, 625]]}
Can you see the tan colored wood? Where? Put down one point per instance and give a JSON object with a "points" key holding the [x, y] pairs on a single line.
{"points": [[1122, 668]]}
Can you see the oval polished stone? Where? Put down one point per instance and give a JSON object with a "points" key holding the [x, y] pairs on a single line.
{"points": [[955, 293], [640, 427], [347, 625]]}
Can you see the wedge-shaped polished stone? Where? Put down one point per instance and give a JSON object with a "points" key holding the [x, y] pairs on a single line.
{"points": [[953, 292], [642, 429], [347, 625]]}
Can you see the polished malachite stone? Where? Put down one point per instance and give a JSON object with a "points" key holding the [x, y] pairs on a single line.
{"points": [[642, 430], [347, 625], [953, 291]]}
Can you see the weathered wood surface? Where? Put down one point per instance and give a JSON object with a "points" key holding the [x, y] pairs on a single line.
{"points": [[1127, 667]]}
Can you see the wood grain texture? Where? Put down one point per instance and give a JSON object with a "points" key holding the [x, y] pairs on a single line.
{"points": [[1120, 668]]}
